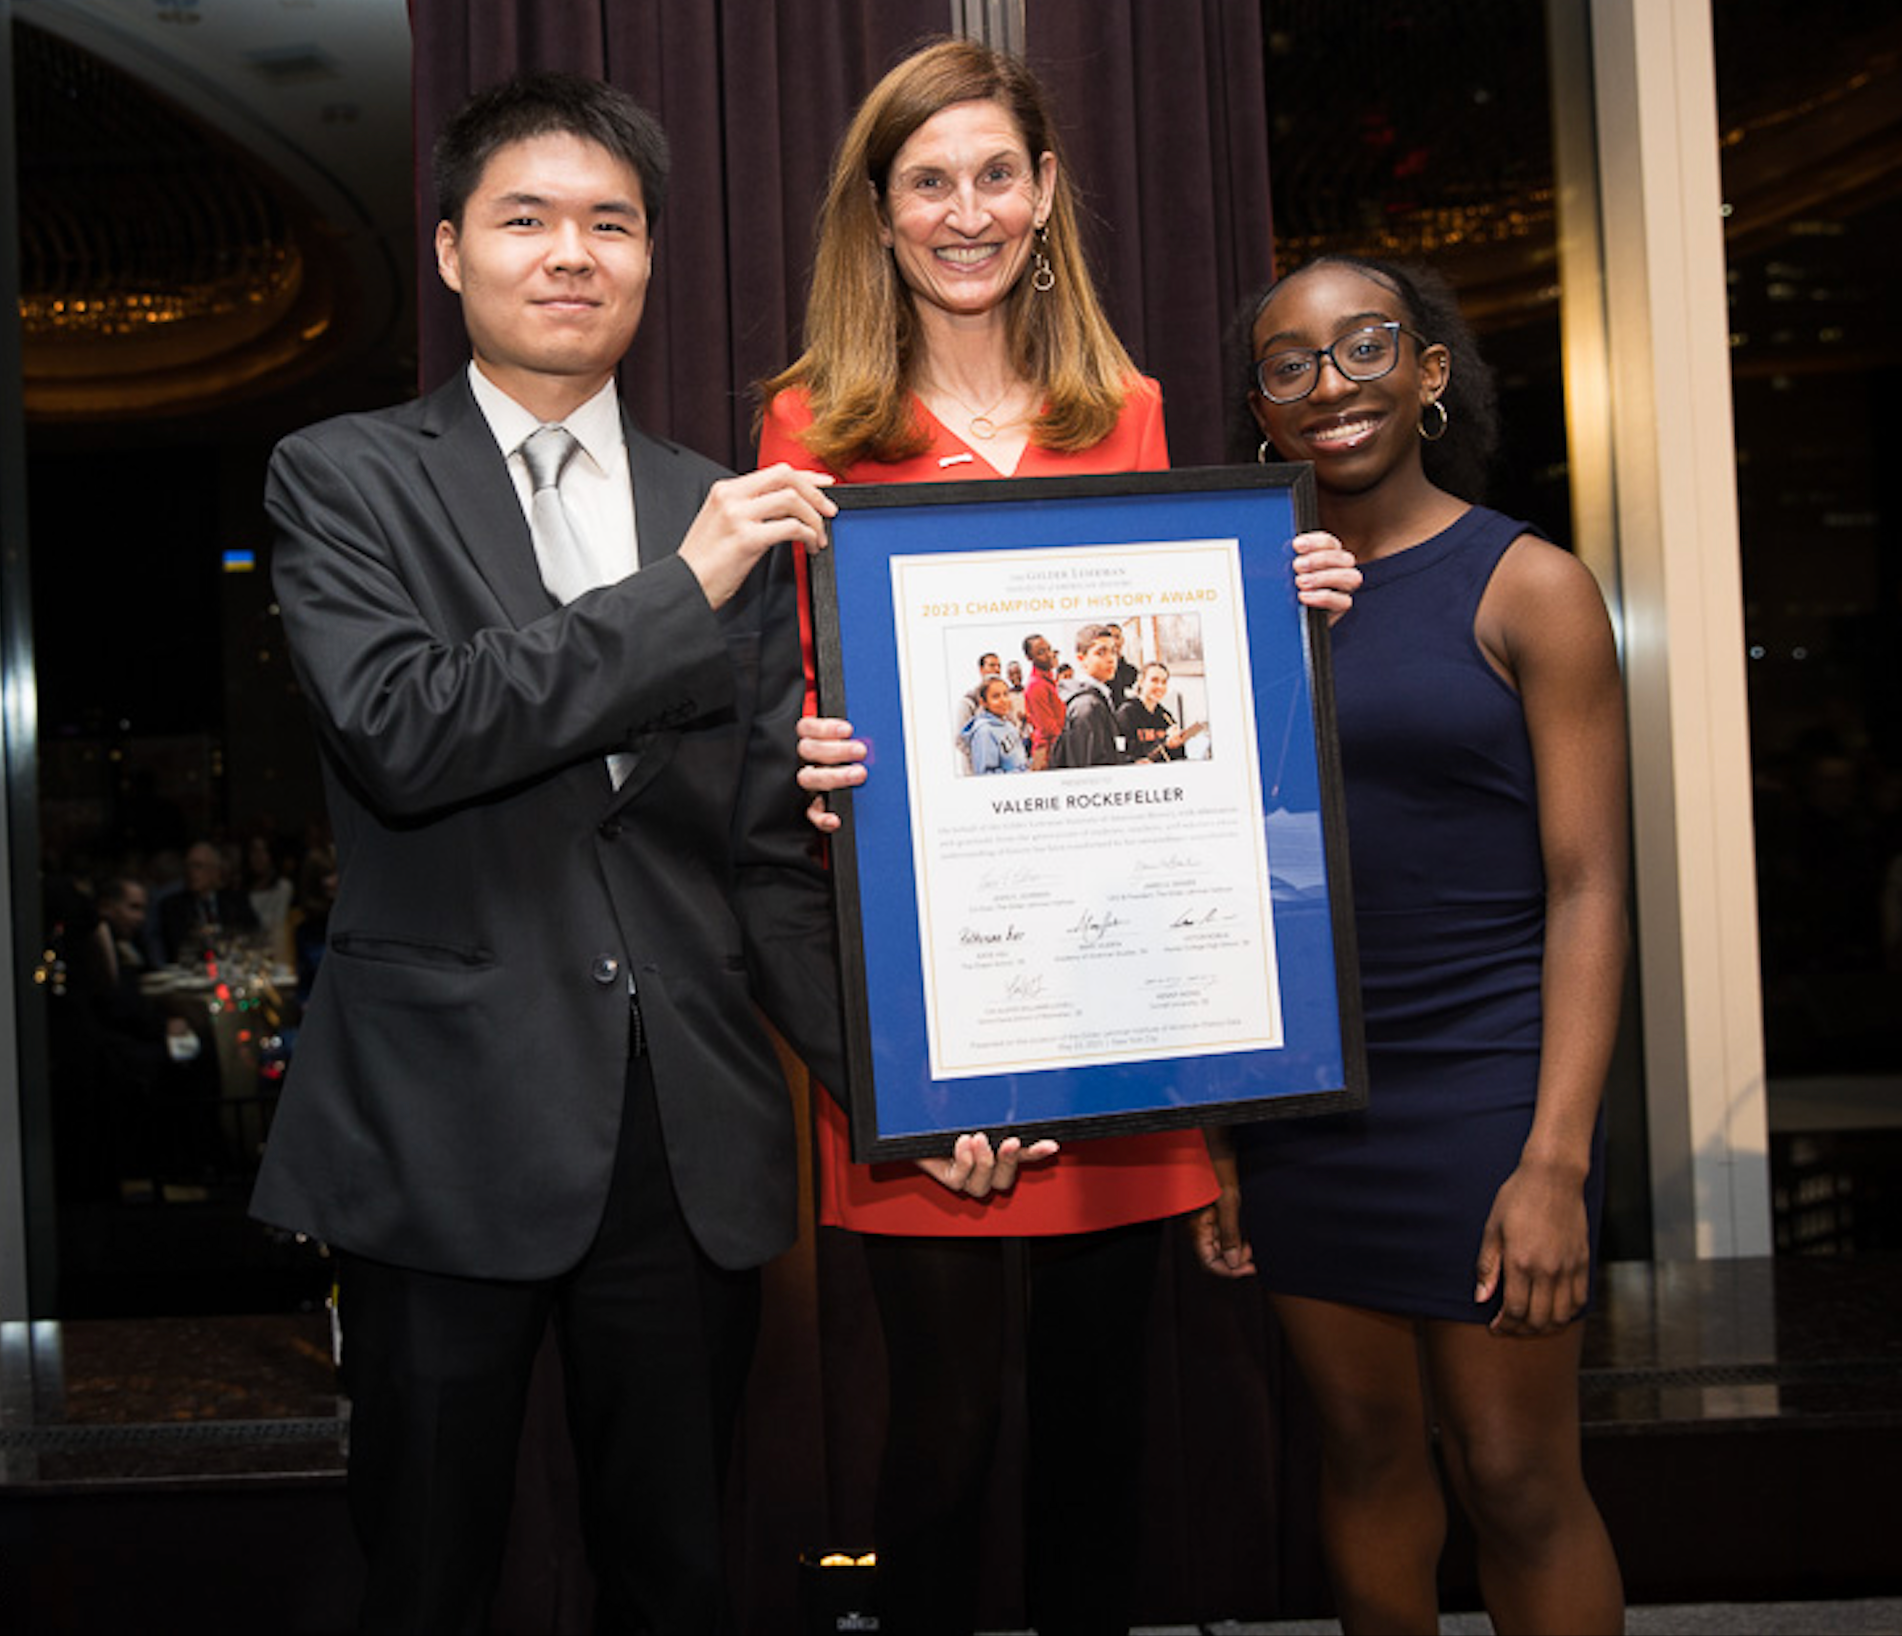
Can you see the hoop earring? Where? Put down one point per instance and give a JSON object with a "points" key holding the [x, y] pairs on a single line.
{"points": [[1264, 452], [1439, 430], [1043, 278]]}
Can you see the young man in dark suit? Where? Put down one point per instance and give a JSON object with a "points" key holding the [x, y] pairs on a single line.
{"points": [[560, 766]]}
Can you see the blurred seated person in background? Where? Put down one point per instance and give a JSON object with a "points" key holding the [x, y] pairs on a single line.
{"points": [[163, 871], [310, 919], [123, 902], [206, 909], [124, 1008], [272, 893], [116, 1058]]}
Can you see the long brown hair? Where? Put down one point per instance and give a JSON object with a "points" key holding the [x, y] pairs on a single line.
{"points": [[862, 332]]}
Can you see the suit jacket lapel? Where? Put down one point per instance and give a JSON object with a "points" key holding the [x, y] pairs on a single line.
{"points": [[664, 506], [664, 509], [471, 477], [473, 483], [651, 753]]}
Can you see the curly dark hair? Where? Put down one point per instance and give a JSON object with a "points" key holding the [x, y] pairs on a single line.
{"points": [[1456, 462]]}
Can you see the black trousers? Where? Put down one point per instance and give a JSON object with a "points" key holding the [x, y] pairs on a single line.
{"points": [[655, 1344], [941, 1302]]}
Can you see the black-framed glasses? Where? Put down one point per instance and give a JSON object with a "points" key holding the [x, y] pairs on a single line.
{"points": [[1363, 354]]}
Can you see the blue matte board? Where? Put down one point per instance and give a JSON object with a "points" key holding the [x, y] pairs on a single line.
{"points": [[899, 1107]]}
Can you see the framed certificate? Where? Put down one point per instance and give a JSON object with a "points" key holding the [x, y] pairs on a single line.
{"points": [[1106, 900]]}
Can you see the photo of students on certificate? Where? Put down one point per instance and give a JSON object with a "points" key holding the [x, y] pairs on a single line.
{"points": [[1130, 691]]}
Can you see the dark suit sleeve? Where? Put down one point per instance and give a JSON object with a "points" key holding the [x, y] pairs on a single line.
{"points": [[428, 693], [782, 889]]}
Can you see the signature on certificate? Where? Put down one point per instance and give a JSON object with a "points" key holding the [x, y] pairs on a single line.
{"points": [[1166, 863], [1212, 914], [973, 936], [1090, 927]]}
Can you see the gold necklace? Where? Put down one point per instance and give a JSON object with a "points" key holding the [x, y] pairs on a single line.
{"points": [[979, 421]]}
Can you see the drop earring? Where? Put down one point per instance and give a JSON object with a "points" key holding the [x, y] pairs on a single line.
{"points": [[1043, 278]]}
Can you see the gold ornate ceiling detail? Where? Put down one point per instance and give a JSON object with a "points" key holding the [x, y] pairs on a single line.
{"points": [[159, 268], [1420, 132]]}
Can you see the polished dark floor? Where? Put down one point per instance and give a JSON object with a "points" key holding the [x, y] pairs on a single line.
{"points": [[114, 1402], [1730, 1343], [1871, 1616], [1714, 1344], [1743, 1431]]}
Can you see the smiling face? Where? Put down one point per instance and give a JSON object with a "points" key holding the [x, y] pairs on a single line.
{"points": [[1155, 684], [1355, 432], [962, 204], [996, 696], [551, 260]]}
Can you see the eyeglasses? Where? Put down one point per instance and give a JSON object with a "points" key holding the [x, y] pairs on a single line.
{"points": [[1360, 355]]}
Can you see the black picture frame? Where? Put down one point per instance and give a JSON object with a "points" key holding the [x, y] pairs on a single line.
{"points": [[1076, 952]]}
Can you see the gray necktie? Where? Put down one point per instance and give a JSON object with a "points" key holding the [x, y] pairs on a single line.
{"points": [[566, 570], [546, 452]]}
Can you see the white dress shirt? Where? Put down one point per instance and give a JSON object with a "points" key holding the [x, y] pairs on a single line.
{"points": [[595, 487]]}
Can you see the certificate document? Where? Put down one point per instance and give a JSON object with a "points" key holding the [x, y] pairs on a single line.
{"points": [[1073, 916], [1096, 879]]}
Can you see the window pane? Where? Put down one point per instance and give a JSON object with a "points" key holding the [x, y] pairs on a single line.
{"points": [[1812, 169], [198, 277]]}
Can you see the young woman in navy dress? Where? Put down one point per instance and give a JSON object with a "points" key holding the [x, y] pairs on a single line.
{"points": [[1428, 1257]]}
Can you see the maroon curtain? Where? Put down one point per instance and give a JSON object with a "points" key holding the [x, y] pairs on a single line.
{"points": [[1163, 109], [753, 96], [1163, 112]]}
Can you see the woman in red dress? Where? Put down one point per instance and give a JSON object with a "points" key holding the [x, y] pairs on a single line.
{"points": [[953, 332]]}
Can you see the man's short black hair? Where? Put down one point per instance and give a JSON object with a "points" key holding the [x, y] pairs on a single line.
{"points": [[545, 104]]}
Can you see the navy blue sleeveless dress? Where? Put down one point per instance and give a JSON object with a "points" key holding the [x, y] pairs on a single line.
{"points": [[1384, 1208]]}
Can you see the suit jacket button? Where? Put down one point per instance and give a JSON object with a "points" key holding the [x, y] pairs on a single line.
{"points": [[610, 832], [605, 969]]}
